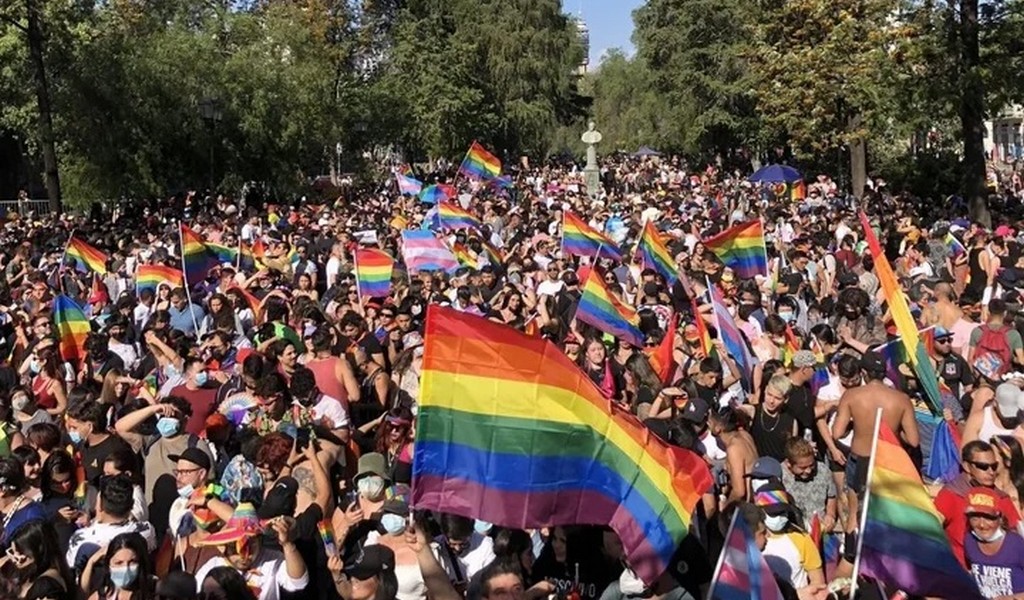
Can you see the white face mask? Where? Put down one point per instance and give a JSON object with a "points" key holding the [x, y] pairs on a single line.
{"points": [[630, 584], [757, 484], [997, 535], [776, 523], [371, 487]]}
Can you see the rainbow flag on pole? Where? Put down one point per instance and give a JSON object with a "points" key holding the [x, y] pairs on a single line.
{"points": [[151, 276], [223, 253], [86, 257], [743, 573], [600, 308], [580, 239], [373, 272], [72, 328], [196, 258], [452, 216], [905, 324], [655, 253], [480, 163], [510, 431], [902, 542], [742, 249]]}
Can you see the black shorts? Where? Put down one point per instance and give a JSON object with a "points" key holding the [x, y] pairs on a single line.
{"points": [[833, 466], [857, 474]]}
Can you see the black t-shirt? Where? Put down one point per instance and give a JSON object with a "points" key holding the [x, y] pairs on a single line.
{"points": [[311, 547], [596, 570], [800, 405], [93, 457], [954, 370], [770, 433]]}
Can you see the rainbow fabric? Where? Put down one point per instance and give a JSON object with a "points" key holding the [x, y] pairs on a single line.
{"points": [[656, 254], [151, 276], [580, 239], [86, 257], [421, 251], [731, 336], [661, 357], [905, 324], [956, 249], [798, 190], [480, 163], [72, 328], [196, 258], [743, 574], [465, 257], [494, 255], [510, 431], [248, 261], [452, 216], [408, 185], [326, 531], [432, 194], [373, 272], [223, 253], [702, 328], [903, 544], [742, 249], [601, 309]]}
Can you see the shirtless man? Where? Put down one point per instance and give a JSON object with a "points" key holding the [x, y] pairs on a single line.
{"points": [[859, 406], [944, 312], [740, 453]]}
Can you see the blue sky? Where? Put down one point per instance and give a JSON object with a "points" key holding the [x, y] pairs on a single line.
{"points": [[610, 23]]}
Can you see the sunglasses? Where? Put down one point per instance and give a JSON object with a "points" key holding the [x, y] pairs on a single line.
{"points": [[984, 466]]}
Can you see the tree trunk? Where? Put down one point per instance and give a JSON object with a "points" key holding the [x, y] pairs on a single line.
{"points": [[972, 113], [36, 45]]}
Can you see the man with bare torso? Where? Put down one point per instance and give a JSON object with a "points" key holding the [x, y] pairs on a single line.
{"points": [[858, 407], [945, 313]]}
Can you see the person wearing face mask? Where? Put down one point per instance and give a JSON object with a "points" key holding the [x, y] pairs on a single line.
{"points": [[856, 326], [810, 484], [995, 556], [121, 343], [128, 571], [88, 425], [196, 511], [790, 553], [357, 515], [199, 392], [394, 519], [26, 412], [464, 548]]}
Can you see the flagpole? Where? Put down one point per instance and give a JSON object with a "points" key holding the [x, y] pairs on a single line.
{"points": [[64, 256], [355, 269], [721, 555], [764, 247], [864, 509], [238, 259], [184, 277]]}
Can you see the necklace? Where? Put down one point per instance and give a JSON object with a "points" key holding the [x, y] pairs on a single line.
{"points": [[764, 425]]}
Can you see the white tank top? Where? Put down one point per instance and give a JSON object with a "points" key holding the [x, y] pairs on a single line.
{"points": [[990, 426]]}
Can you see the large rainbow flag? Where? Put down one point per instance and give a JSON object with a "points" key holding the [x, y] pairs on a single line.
{"points": [[903, 544], [655, 253], [196, 258], [742, 249], [452, 216], [916, 352], [86, 257], [480, 163], [224, 254], [580, 239], [72, 328], [373, 272], [510, 431], [151, 276], [743, 573], [600, 308]]}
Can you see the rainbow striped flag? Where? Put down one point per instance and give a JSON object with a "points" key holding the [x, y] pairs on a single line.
{"points": [[743, 573], [580, 239], [731, 336], [903, 543], [86, 257], [494, 255], [742, 249], [432, 194], [655, 253], [421, 251], [452, 216], [661, 357], [480, 163], [196, 258], [373, 272], [407, 185], [510, 431], [905, 324], [72, 328], [956, 249], [702, 328], [151, 276], [464, 255], [223, 253], [248, 261], [600, 308]]}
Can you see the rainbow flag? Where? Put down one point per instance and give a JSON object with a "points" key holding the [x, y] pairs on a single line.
{"points": [[743, 573], [580, 239], [248, 261], [702, 328], [731, 336], [151, 276], [464, 255], [196, 258], [510, 431], [956, 249], [407, 185], [432, 194], [252, 301], [903, 544], [798, 190], [86, 257], [452, 216], [741, 248], [72, 328], [905, 324], [600, 308], [655, 253], [494, 255], [480, 163], [326, 531], [661, 357], [373, 272], [223, 253]]}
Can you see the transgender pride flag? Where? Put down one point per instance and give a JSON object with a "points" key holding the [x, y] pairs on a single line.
{"points": [[424, 252], [742, 572]]}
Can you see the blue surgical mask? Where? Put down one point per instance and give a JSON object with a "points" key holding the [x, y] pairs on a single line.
{"points": [[123, 577], [34, 366], [186, 491], [776, 523], [392, 523], [482, 527], [76, 438], [786, 315], [202, 378], [167, 426], [371, 487]]}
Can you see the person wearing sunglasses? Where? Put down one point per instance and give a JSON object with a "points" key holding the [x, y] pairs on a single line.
{"points": [[980, 469]]}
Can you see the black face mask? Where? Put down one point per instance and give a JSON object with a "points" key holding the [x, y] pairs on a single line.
{"points": [[745, 310]]}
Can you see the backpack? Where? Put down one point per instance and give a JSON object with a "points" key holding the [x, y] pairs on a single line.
{"points": [[992, 357]]}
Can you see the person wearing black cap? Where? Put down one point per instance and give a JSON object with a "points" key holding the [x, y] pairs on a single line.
{"points": [[370, 575]]}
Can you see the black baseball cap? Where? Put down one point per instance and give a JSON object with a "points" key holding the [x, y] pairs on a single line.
{"points": [[194, 456], [373, 560], [280, 500]]}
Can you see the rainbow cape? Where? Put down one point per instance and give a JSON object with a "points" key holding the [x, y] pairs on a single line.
{"points": [[742, 249], [196, 258], [580, 239], [86, 257], [655, 253], [903, 544], [151, 276], [510, 431], [452, 216], [480, 163], [743, 573], [373, 272], [72, 328], [601, 309]]}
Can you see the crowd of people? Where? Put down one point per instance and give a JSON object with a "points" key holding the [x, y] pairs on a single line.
{"points": [[250, 436]]}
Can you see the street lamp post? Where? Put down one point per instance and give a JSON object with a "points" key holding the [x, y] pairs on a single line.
{"points": [[212, 112]]}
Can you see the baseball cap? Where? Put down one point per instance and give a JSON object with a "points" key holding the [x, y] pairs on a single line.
{"points": [[1004, 231], [374, 559], [280, 500], [1008, 400], [194, 456], [766, 467], [804, 358], [941, 332], [773, 499], [871, 360], [696, 411], [982, 501]]}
